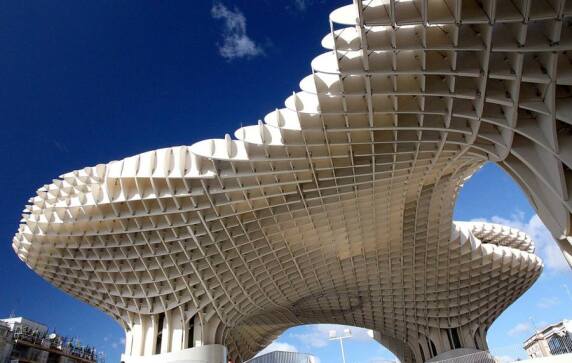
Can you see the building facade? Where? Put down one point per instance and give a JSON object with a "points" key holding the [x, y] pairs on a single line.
{"points": [[553, 340], [24, 340], [338, 207], [284, 357], [5, 342]]}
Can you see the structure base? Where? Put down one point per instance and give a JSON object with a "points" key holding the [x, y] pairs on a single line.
{"points": [[213, 353]]}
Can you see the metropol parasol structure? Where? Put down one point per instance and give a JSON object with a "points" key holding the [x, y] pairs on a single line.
{"points": [[338, 207]]}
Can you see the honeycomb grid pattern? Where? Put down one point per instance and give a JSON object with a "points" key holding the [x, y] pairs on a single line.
{"points": [[338, 207]]}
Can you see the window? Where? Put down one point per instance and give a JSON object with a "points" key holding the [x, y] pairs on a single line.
{"points": [[191, 333], [159, 333], [453, 337], [422, 354], [560, 344]]}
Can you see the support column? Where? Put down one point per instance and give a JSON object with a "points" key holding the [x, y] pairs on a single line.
{"points": [[128, 341], [138, 336], [166, 340], [150, 334], [193, 328], [159, 337], [177, 326], [401, 349]]}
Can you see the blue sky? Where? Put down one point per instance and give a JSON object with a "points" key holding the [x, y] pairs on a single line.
{"points": [[89, 82]]}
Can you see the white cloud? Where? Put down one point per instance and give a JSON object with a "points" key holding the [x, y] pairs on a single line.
{"points": [[277, 346], [317, 335], [545, 244], [565, 287], [505, 359], [519, 329], [115, 343], [301, 4], [236, 43], [548, 302]]}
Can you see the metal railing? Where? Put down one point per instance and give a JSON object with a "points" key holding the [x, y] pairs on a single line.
{"points": [[477, 357], [55, 342]]}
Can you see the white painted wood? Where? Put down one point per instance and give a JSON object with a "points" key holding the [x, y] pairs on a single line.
{"points": [[338, 207]]}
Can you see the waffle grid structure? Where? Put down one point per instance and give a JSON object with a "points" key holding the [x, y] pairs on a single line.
{"points": [[338, 207]]}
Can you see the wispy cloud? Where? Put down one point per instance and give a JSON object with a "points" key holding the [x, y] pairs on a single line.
{"points": [[505, 359], [567, 289], [114, 343], [548, 302], [545, 244], [235, 42], [519, 329], [60, 146], [301, 4]]}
